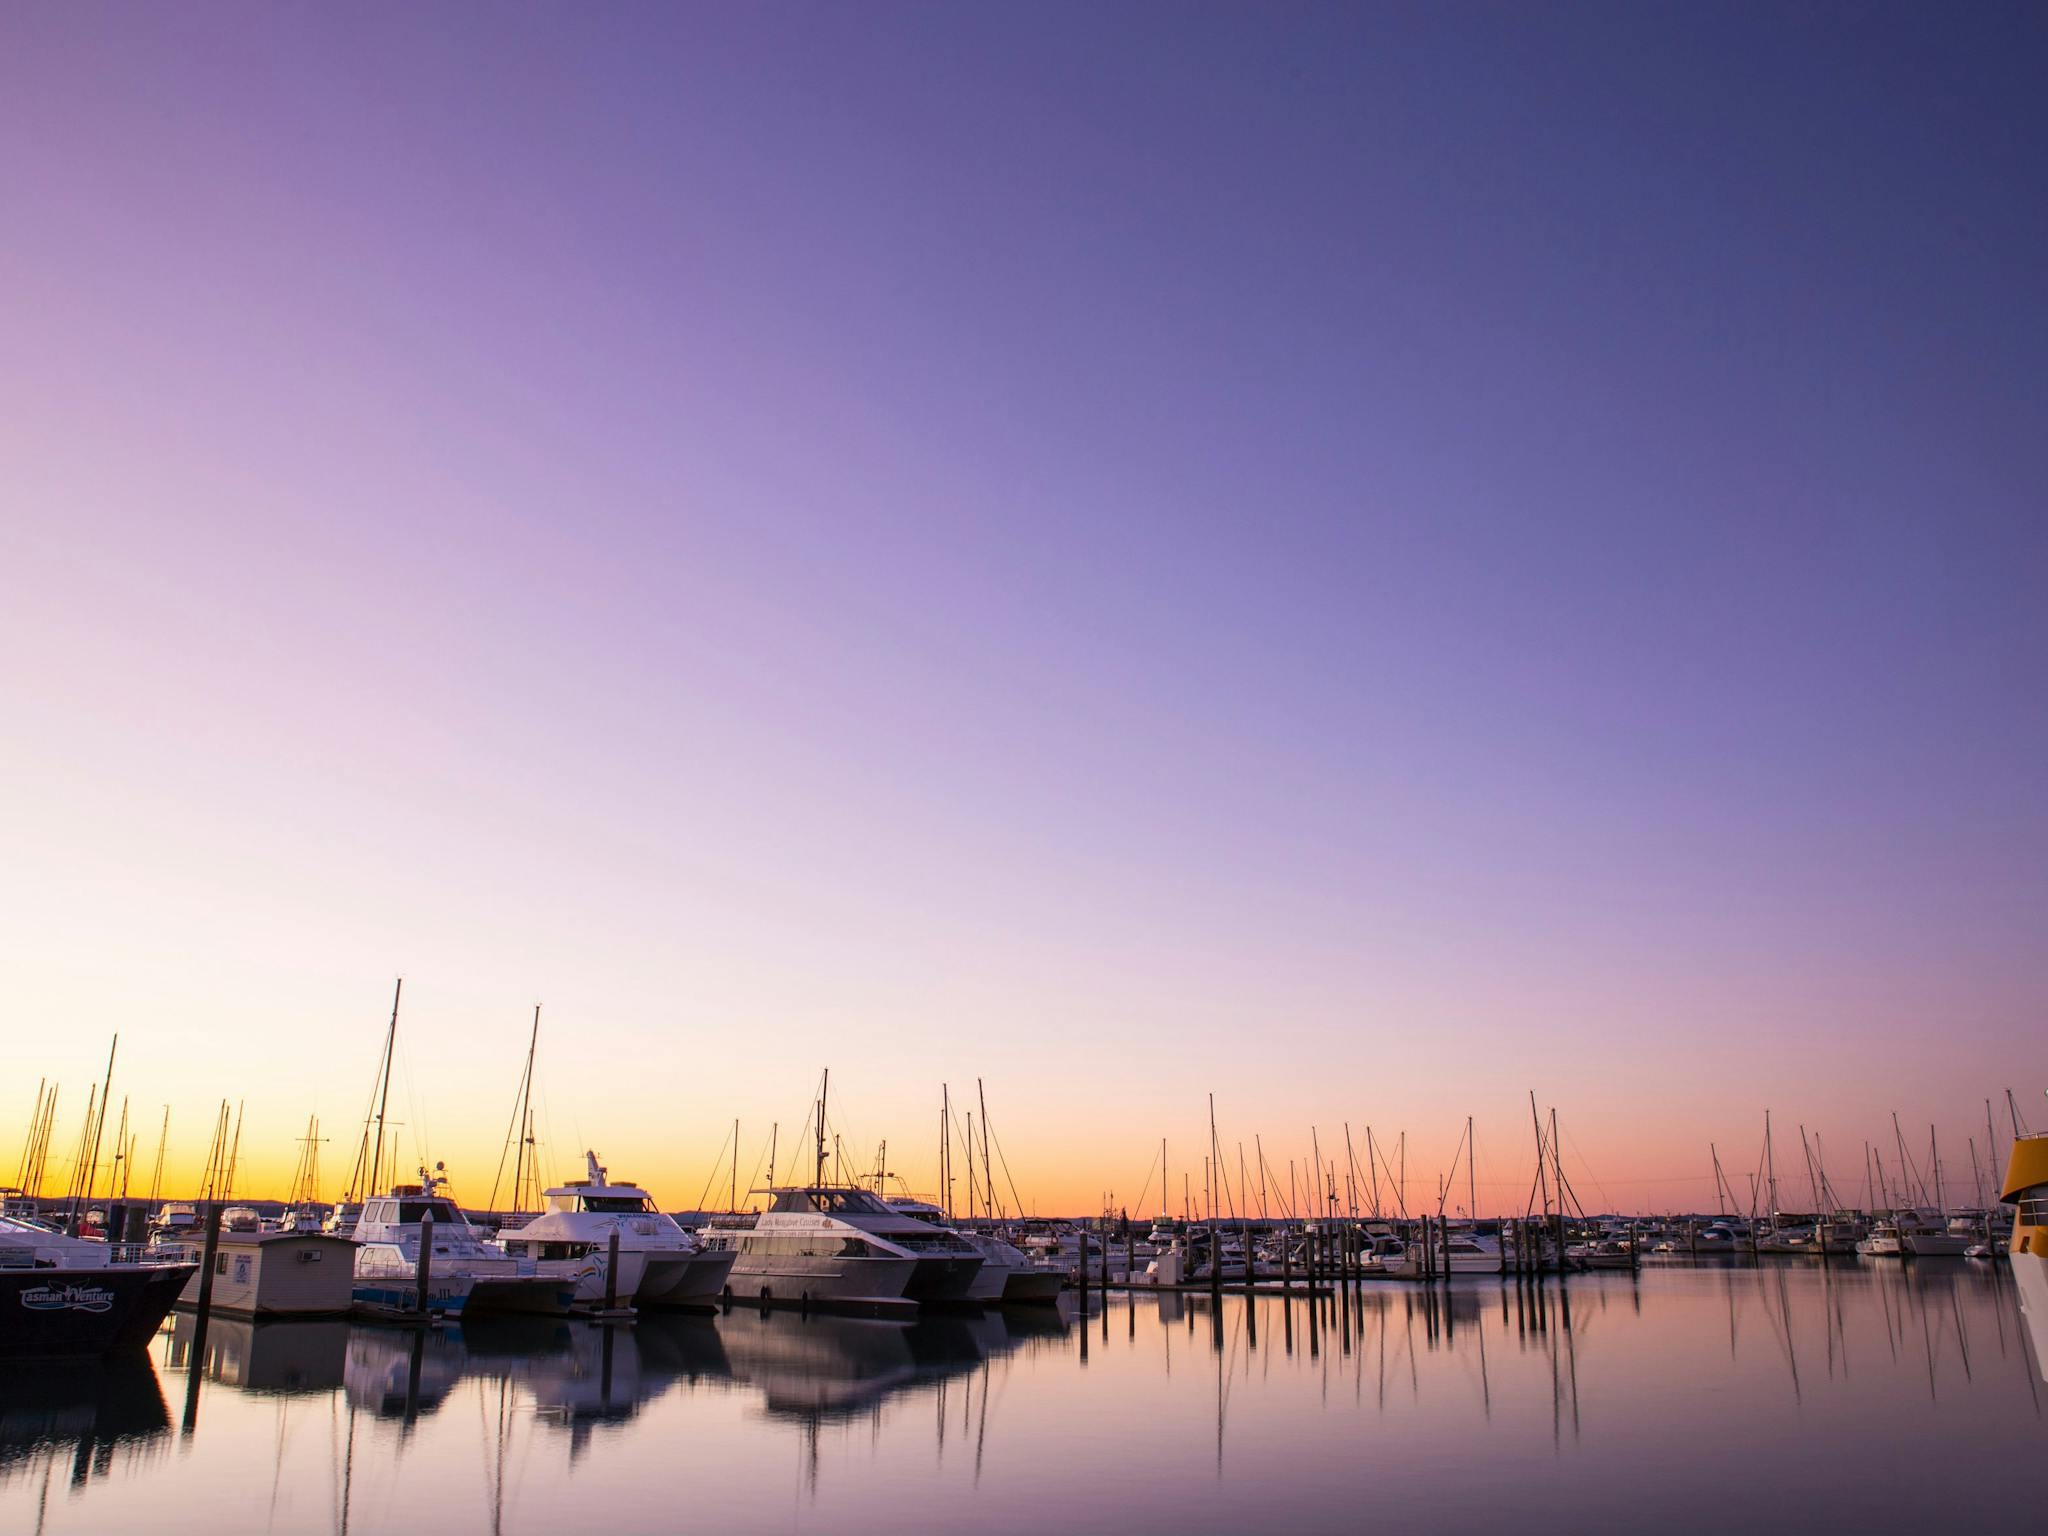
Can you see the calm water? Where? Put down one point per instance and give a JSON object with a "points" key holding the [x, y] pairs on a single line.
{"points": [[1684, 1399]]}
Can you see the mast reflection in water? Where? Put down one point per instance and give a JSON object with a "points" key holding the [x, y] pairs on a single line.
{"points": [[1681, 1397]]}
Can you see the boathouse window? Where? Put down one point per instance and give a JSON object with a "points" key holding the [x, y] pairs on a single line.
{"points": [[220, 1264]]}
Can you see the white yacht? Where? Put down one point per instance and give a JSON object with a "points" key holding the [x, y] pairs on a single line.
{"points": [[175, 1225], [660, 1265], [1464, 1253], [1907, 1235], [463, 1273], [304, 1216], [1727, 1235], [1927, 1235], [1007, 1273], [825, 1243]]}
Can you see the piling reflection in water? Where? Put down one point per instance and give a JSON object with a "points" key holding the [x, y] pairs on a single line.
{"points": [[1460, 1407]]}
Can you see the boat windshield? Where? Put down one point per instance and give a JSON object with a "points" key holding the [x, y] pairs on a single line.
{"points": [[444, 1214], [614, 1205], [832, 1202]]}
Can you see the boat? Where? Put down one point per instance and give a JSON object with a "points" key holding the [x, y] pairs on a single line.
{"points": [[1726, 1235], [2026, 1190], [1927, 1235], [1912, 1235], [824, 1244], [62, 1295], [1007, 1274], [464, 1274], [1603, 1253], [305, 1216], [1464, 1253], [660, 1264], [1212, 1256], [175, 1224]]}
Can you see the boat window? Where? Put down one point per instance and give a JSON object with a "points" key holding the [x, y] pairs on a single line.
{"points": [[617, 1204], [417, 1210], [844, 1202]]}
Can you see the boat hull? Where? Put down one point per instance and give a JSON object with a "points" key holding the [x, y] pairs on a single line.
{"points": [[684, 1279], [541, 1295], [799, 1279], [393, 1297], [69, 1311], [2030, 1276], [1031, 1287], [943, 1279]]}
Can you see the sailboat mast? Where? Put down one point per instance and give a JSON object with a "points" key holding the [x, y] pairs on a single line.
{"points": [[93, 1166], [156, 1177], [988, 1176], [824, 1089], [1770, 1163], [525, 1115], [1472, 1174], [1934, 1156], [384, 1089]]}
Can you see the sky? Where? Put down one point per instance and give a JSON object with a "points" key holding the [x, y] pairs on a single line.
{"points": [[1369, 561]]}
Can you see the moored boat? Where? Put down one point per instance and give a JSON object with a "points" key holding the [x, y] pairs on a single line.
{"points": [[1007, 1273], [839, 1245], [2026, 1190], [660, 1264], [63, 1295], [463, 1274]]}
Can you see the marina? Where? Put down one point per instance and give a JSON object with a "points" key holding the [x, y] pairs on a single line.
{"points": [[1109, 766]]}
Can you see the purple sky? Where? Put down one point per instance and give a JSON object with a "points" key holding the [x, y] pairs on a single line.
{"points": [[1366, 559]]}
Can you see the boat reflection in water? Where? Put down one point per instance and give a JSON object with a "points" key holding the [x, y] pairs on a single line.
{"points": [[820, 1367], [1820, 1379], [76, 1420], [571, 1372], [575, 1374]]}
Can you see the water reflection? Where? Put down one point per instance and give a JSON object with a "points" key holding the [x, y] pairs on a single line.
{"points": [[271, 1357], [76, 1420], [1452, 1406], [813, 1370]]}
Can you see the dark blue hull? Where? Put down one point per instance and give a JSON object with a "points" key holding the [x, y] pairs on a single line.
{"points": [[85, 1311]]}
